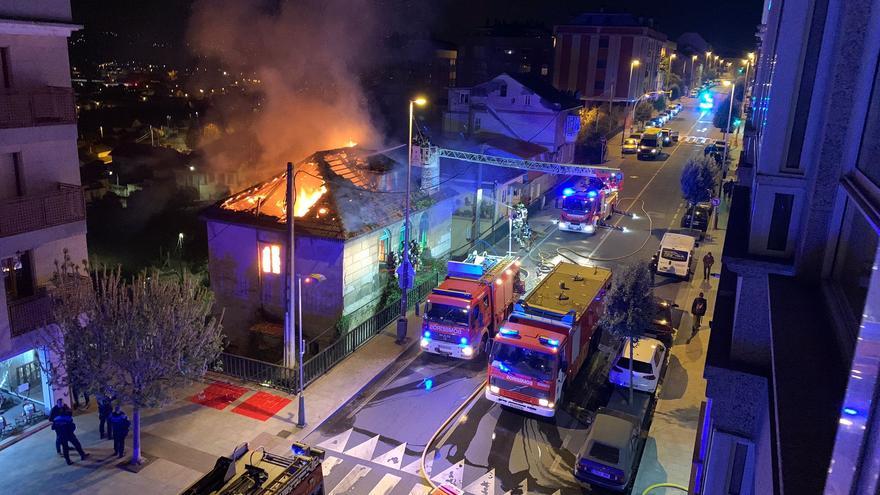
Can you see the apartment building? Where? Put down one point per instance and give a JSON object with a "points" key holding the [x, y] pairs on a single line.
{"points": [[607, 57], [42, 211], [792, 362]]}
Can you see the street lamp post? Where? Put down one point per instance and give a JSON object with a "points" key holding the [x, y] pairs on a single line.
{"points": [[669, 72], [406, 269], [632, 65], [314, 277], [708, 59], [727, 128], [693, 70]]}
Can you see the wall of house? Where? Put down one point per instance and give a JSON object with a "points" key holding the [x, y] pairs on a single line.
{"points": [[52, 10], [36, 61], [363, 278]]}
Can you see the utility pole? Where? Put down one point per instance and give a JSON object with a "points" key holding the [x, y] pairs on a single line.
{"points": [[289, 334]]}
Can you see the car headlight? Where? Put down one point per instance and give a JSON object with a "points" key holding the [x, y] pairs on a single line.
{"points": [[653, 151], [425, 342], [640, 148], [543, 402], [494, 389], [467, 350]]}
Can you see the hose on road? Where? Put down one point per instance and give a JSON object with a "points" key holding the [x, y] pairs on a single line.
{"points": [[560, 250], [662, 485], [442, 427]]}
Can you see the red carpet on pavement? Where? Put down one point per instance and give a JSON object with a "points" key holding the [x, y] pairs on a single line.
{"points": [[218, 395], [261, 406]]}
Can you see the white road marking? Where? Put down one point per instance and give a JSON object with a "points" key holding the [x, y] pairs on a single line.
{"points": [[350, 480], [484, 485], [364, 450], [328, 464], [419, 489], [337, 443], [393, 458], [385, 485], [451, 475], [415, 467], [523, 488]]}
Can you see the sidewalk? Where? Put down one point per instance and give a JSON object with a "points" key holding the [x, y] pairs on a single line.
{"points": [[669, 449], [184, 439]]}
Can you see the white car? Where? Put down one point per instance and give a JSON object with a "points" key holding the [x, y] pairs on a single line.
{"points": [[648, 363]]}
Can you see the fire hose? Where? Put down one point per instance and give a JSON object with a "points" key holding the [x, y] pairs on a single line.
{"points": [[442, 427], [616, 258]]}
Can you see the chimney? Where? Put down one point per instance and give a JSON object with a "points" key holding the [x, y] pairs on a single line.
{"points": [[429, 159]]}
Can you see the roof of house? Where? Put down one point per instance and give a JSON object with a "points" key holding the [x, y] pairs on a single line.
{"points": [[603, 19], [546, 91], [347, 192]]}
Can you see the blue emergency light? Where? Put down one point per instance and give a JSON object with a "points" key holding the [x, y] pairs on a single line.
{"points": [[427, 334], [547, 341], [592, 194], [507, 332], [567, 192], [463, 340]]}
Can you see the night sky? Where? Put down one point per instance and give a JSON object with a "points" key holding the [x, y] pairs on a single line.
{"points": [[729, 25]]}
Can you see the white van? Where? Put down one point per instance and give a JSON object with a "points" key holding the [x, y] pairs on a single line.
{"points": [[676, 255]]}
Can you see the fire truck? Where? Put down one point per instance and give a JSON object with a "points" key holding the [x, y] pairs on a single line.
{"points": [[589, 204], [462, 314], [264, 473], [547, 338]]}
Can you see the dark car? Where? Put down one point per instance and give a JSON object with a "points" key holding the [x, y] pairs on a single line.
{"points": [[662, 328], [700, 218]]}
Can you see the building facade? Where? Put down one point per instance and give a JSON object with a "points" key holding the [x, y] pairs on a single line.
{"points": [[607, 57], [42, 208], [512, 48], [523, 108], [792, 364]]}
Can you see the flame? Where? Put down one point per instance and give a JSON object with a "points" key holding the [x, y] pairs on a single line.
{"points": [[269, 198]]}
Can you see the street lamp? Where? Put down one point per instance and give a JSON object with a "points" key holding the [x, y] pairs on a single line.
{"points": [[671, 58], [632, 65], [708, 59], [406, 269], [311, 278], [693, 69], [732, 85]]}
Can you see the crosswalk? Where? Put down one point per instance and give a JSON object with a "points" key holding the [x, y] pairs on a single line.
{"points": [[695, 140], [376, 466]]}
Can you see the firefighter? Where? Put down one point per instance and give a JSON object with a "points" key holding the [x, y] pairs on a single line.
{"points": [[119, 425]]}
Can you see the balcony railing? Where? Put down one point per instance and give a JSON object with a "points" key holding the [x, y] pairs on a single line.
{"points": [[37, 106], [40, 211], [29, 313]]}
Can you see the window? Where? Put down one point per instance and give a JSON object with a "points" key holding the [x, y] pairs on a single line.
{"points": [[638, 366], [402, 237], [603, 41], [5, 72], [780, 220], [423, 230], [270, 258], [17, 276], [855, 254], [599, 85], [601, 63], [463, 98], [545, 70], [869, 151], [11, 176], [384, 246], [527, 100], [502, 91], [525, 68], [477, 123], [605, 453]]}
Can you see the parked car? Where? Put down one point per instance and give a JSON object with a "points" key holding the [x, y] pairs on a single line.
{"points": [[666, 134], [650, 146], [675, 256], [664, 116], [674, 136], [648, 361], [678, 107], [655, 122], [672, 110], [630, 146], [636, 135], [662, 327], [701, 213], [694, 93], [609, 453]]}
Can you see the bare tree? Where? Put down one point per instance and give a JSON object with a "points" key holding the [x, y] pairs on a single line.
{"points": [[137, 339], [698, 179], [629, 308]]}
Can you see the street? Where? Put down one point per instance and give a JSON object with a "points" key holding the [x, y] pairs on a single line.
{"points": [[375, 443]]}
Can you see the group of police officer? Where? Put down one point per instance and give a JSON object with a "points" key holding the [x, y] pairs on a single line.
{"points": [[114, 420]]}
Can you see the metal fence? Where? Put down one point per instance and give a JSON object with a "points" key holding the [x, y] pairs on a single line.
{"points": [[286, 379]]}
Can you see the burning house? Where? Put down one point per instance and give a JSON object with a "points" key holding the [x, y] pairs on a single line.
{"points": [[348, 218]]}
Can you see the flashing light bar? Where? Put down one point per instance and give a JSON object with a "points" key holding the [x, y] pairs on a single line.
{"points": [[567, 192], [548, 341], [507, 332], [427, 334], [592, 194]]}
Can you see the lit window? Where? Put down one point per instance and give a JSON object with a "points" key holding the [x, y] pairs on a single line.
{"points": [[270, 259]]}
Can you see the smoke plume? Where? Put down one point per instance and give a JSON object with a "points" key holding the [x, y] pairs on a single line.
{"points": [[307, 56]]}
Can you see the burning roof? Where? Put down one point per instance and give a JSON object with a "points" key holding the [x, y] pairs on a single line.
{"points": [[340, 193]]}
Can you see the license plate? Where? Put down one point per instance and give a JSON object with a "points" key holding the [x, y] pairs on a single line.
{"points": [[445, 349], [602, 474]]}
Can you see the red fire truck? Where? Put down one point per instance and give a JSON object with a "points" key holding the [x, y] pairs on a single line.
{"points": [[547, 338], [268, 474], [463, 313], [588, 203]]}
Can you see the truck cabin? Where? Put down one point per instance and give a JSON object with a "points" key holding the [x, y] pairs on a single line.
{"points": [[525, 362]]}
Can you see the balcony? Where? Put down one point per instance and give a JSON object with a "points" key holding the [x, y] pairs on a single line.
{"points": [[40, 211], [38, 106], [29, 313]]}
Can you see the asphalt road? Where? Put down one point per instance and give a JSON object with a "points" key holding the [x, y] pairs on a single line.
{"points": [[374, 443]]}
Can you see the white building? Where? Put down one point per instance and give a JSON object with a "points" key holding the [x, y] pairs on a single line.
{"points": [[519, 106], [42, 210]]}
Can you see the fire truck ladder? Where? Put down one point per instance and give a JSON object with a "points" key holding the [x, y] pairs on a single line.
{"points": [[530, 165], [296, 470]]}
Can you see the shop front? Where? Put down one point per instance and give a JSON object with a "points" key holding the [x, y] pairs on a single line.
{"points": [[25, 396]]}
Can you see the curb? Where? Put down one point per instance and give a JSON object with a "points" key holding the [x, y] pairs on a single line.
{"points": [[26, 434], [400, 358]]}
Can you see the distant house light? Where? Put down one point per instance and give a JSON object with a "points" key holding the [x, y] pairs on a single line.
{"points": [[270, 259]]}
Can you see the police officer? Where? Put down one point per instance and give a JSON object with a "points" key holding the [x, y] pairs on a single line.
{"points": [[119, 425], [56, 411], [64, 428], [105, 408]]}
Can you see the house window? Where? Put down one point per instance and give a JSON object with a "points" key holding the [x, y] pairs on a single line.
{"points": [[384, 246], [270, 258], [477, 123], [402, 237], [17, 273], [780, 220], [463, 98], [853, 260], [603, 41], [601, 63], [545, 70], [527, 100], [503, 91], [599, 85], [867, 162]]}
